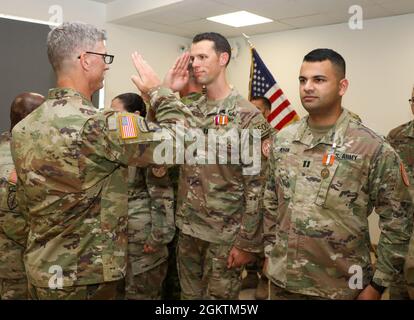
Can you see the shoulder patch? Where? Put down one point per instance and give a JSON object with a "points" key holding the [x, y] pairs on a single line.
{"points": [[404, 175], [128, 126]]}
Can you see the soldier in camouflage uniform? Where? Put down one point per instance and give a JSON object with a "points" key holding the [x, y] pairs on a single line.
{"points": [[217, 205], [13, 226], [402, 140], [191, 92], [326, 174], [255, 279], [150, 219], [71, 161]]}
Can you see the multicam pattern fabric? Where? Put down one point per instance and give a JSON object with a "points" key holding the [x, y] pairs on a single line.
{"points": [[315, 217], [13, 229], [72, 163], [402, 140], [216, 202]]}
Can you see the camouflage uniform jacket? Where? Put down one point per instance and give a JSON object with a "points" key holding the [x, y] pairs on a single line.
{"points": [[13, 228], [191, 97], [216, 202], [402, 140], [150, 218], [315, 225], [71, 160]]}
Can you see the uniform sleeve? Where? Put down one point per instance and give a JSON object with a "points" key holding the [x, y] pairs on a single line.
{"points": [[270, 204], [129, 139], [162, 206], [15, 223], [409, 267], [389, 194], [249, 237]]}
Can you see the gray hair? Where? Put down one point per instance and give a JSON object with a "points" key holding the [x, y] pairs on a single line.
{"points": [[67, 41]]}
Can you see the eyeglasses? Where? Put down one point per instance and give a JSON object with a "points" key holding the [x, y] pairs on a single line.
{"points": [[411, 101], [107, 58]]}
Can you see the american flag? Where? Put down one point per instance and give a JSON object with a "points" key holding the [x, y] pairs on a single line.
{"points": [[262, 83], [128, 127]]}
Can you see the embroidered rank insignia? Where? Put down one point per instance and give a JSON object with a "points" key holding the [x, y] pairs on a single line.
{"points": [[11, 198], [404, 175], [128, 127], [221, 120]]}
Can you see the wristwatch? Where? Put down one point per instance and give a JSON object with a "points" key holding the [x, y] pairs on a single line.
{"points": [[377, 287]]}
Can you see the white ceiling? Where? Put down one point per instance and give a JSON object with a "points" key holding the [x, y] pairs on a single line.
{"points": [[187, 17]]}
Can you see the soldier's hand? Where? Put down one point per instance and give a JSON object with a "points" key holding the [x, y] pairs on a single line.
{"points": [[177, 77], [266, 261], [146, 78], [149, 249], [369, 293], [238, 258]]}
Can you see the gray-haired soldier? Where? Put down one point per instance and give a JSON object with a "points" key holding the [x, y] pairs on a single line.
{"points": [[71, 160]]}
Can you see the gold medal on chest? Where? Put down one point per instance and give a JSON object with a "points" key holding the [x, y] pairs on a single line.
{"points": [[325, 173]]}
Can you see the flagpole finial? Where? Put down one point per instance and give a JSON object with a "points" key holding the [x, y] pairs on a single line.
{"points": [[246, 37]]}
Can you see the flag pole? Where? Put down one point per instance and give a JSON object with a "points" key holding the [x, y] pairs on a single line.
{"points": [[246, 37]]}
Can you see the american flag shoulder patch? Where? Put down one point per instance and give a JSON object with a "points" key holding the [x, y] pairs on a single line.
{"points": [[128, 126]]}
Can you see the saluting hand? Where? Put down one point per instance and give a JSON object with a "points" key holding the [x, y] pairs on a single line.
{"points": [[177, 77], [146, 78]]}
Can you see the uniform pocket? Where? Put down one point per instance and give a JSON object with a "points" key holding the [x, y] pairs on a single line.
{"points": [[224, 283], [342, 190]]}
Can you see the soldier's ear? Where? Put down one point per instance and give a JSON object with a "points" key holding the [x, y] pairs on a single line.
{"points": [[84, 61], [343, 86]]}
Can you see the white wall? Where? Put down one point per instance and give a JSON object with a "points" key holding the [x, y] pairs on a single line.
{"points": [[160, 50], [380, 67]]}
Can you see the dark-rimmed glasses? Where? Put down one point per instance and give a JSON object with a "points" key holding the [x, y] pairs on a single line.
{"points": [[107, 58]]}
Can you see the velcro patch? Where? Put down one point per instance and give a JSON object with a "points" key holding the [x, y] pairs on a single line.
{"points": [[128, 126]]}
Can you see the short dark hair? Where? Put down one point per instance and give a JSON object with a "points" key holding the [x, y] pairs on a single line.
{"points": [[265, 101], [220, 43], [133, 102], [334, 57]]}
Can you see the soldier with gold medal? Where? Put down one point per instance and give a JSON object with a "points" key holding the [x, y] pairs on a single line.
{"points": [[326, 174]]}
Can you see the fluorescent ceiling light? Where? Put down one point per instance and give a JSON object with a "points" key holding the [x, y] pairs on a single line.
{"points": [[239, 19], [48, 23]]}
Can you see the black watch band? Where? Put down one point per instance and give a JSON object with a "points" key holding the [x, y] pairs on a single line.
{"points": [[377, 287]]}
